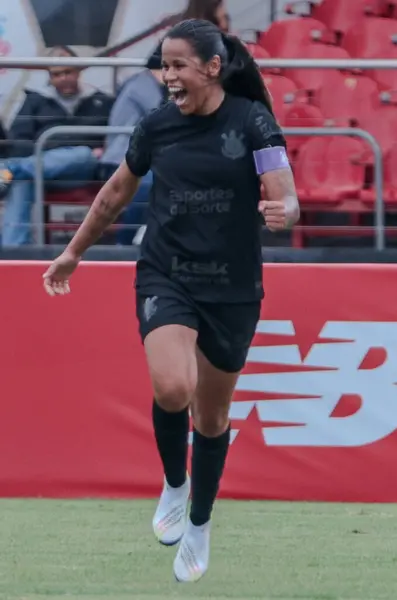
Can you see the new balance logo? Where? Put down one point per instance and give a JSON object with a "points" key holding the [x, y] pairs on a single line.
{"points": [[348, 367]]}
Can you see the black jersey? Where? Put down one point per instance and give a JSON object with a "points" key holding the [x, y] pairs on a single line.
{"points": [[203, 229]]}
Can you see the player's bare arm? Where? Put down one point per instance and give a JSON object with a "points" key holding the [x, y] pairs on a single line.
{"points": [[280, 207], [115, 194]]}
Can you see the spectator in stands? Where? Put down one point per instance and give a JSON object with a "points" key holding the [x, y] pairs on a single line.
{"points": [[210, 10], [140, 94], [69, 158], [4, 151]]}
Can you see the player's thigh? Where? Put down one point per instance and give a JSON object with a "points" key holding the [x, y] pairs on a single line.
{"points": [[168, 328], [226, 333]]}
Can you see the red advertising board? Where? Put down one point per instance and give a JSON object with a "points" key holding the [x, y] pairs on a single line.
{"points": [[314, 415]]}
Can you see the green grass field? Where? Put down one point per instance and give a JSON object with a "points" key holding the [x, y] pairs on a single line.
{"points": [[101, 550]]}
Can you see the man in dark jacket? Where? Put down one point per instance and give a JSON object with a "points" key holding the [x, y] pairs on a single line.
{"points": [[68, 158]]}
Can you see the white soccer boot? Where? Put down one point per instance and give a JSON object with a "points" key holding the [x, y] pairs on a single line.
{"points": [[192, 559], [169, 520]]}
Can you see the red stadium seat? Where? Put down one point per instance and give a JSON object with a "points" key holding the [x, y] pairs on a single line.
{"points": [[83, 196], [344, 98], [312, 80], [260, 53], [377, 38], [285, 39], [325, 171], [340, 15], [390, 180], [373, 38], [381, 122], [301, 115], [283, 92], [385, 78], [389, 8]]}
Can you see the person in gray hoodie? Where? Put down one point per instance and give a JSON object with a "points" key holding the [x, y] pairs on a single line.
{"points": [[139, 95]]}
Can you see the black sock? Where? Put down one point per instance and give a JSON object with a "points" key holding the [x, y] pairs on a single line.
{"points": [[171, 432], [208, 461]]}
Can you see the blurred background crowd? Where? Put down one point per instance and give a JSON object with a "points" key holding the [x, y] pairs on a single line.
{"points": [[335, 175]]}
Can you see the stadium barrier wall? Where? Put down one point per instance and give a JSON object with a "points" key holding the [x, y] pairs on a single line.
{"points": [[314, 416]]}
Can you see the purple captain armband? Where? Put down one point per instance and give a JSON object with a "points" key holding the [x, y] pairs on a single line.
{"points": [[270, 159]]}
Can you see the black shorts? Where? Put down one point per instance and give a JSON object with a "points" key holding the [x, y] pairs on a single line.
{"points": [[225, 331]]}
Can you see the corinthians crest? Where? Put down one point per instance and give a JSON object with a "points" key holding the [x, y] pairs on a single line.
{"points": [[233, 146]]}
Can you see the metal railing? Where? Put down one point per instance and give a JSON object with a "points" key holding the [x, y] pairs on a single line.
{"points": [[378, 168], [277, 63], [342, 64], [293, 131], [38, 213]]}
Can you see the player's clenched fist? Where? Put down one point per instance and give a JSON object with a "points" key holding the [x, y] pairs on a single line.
{"points": [[279, 202], [279, 214], [274, 214]]}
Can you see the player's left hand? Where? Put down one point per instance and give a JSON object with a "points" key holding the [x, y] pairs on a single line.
{"points": [[275, 214], [56, 278]]}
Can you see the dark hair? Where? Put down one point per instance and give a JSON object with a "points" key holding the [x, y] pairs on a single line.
{"points": [[58, 51], [154, 61], [240, 75], [203, 9]]}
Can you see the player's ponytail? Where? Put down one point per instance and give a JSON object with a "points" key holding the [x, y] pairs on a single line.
{"points": [[240, 75]]}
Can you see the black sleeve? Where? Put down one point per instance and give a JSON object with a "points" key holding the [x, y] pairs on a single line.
{"points": [[138, 157], [263, 131]]}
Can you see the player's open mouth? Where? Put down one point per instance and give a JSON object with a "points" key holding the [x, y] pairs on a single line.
{"points": [[178, 95]]}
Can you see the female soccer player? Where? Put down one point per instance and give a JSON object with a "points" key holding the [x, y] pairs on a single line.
{"points": [[199, 278]]}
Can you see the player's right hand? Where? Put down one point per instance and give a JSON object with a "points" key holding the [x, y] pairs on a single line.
{"points": [[56, 278]]}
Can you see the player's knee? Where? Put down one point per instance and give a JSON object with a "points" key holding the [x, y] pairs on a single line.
{"points": [[211, 424], [175, 393]]}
